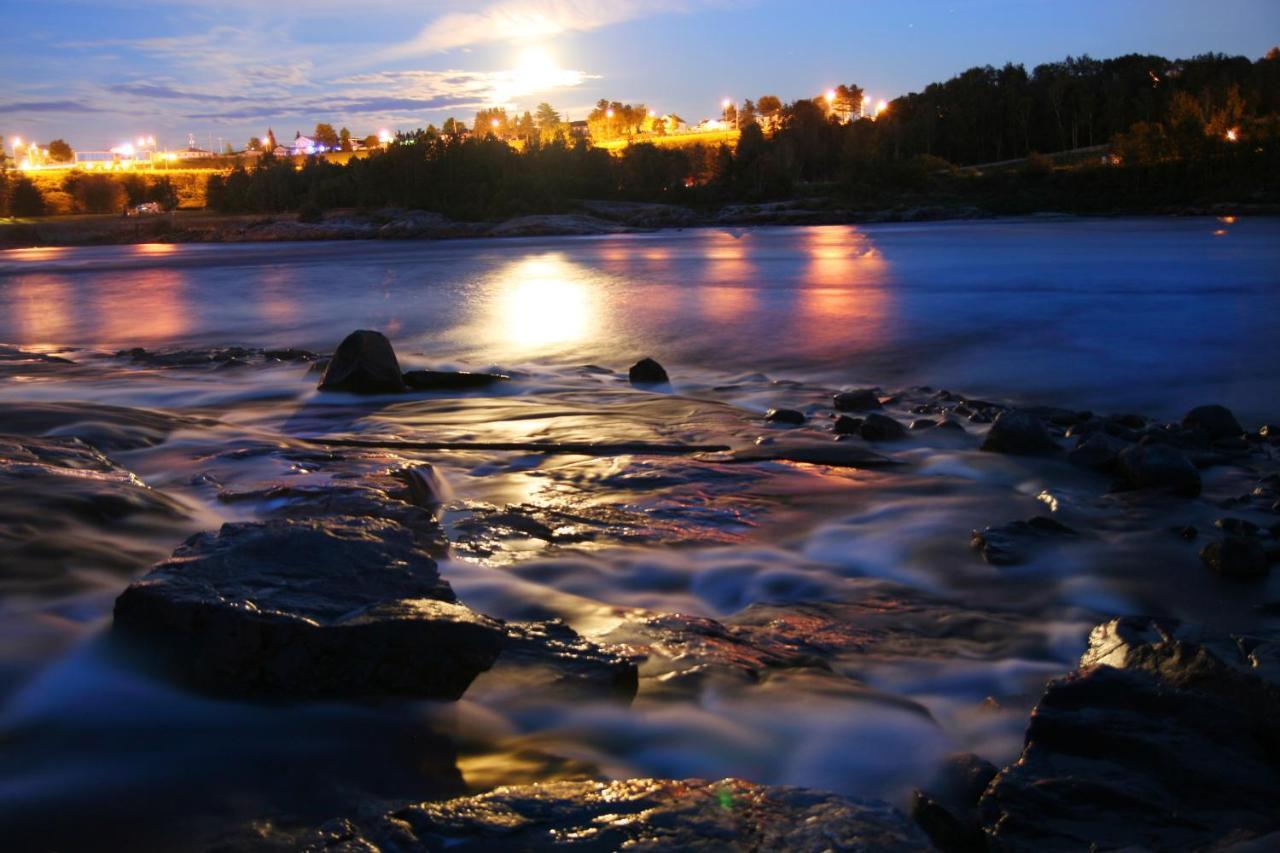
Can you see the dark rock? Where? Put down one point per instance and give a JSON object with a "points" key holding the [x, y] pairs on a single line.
{"points": [[861, 400], [1188, 532], [1158, 466], [441, 380], [835, 454], [922, 423], [877, 427], [947, 810], [784, 416], [950, 423], [634, 814], [551, 656], [846, 425], [1010, 545], [364, 363], [9, 353], [1165, 740], [339, 607], [288, 354], [1215, 420], [1098, 451], [1237, 526], [646, 371], [1236, 557], [1019, 433]]}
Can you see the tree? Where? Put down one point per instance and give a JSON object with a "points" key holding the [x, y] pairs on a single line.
{"points": [[269, 144], [255, 144], [96, 193], [60, 151], [344, 139], [163, 193], [371, 141], [25, 198], [325, 135]]}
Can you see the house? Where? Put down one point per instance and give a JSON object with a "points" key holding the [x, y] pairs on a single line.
{"points": [[579, 129], [672, 123]]}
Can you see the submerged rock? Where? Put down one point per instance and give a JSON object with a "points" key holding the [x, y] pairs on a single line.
{"points": [[552, 657], [634, 814], [1010, 545], [334, 607], [646, 371], [1164, 740], [1236, 557], [441, 380], [861, 400], [364, 363], [947, 810], [790, 417], [877, 427], [1217, 421], [846, 425], [1019, 433], [1158, 466], [1097, 450]]}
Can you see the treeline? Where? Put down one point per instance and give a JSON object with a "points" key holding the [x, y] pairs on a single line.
{"points": [[85, 193]]}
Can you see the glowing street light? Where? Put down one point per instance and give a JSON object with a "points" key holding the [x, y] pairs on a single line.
{"points": [[881, 106], [493, 123], [608, 113], [830, 96], [1232, 135], [384, 137]]}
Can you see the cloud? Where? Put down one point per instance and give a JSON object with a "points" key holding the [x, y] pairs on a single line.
{"points": [[522, 20], [48, 107], [152, 90]]}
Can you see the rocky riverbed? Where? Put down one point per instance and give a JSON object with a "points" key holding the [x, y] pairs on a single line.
{"points": [[363, 600]]}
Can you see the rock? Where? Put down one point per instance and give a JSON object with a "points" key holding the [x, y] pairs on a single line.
{"points": [[1009, 545], [65, 507], [1164, 740], [950, 423], [877, 427], [1019, 433], [632, 814], [646, 371], [1236, 557], [1158, 466], [551, 656], [364, 363], [835, 454], [1215, 420], [1098, 451], [922, 423], [1237, 526], [441, 380], [861, 400], [784, 416], [947, 810], [846, 425], [334, 607]]}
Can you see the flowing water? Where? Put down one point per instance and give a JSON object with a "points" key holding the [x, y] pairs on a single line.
{"points": [[1123, 315]]}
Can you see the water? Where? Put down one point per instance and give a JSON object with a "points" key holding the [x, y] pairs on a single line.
{"points": [[1113, 315]]}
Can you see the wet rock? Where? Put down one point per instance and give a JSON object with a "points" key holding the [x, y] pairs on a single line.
{"points": [[1158, 466], [364, 363], [289, 354], [861, 400], [922, 423], [1269, 432], [947, 810], [1237, 526], [633, 814], [1164, 740], [877, 427], [441, 380], [646, 371], [1217, 421], [950, 423], [1236, 557], [1019, 433], [846, 425], [187, 357], [835, 454], [1098, 451], [9, 353], [339, 607], [789, 417], [65, 507], [1012, 543], [552, 657]]}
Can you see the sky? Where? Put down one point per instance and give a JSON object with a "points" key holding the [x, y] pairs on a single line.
{"points": [[99, 72]]}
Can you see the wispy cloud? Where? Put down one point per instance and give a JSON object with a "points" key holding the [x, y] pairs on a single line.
{"points": [[48, 107], [521, 20]]}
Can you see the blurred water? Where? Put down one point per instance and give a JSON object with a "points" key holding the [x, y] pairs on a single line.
{"points": [[1145, 314]]}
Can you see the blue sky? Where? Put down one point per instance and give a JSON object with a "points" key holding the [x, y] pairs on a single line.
{"points": [[96, 73]]}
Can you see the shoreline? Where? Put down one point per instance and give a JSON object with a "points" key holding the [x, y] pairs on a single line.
{"points": [[591, 219]]}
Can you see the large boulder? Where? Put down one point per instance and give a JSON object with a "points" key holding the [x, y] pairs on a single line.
{"points": [[878, 427], [310, 607], [364, 363], [1019, 433], [632, 814], [448, 380], [1158, 466], [859, 400], [1166, 739], [1236, 557], [1217, 421]]}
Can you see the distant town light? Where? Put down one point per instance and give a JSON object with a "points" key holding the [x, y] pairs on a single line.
{"points": [[384, 136], [493, 122], [608, 113], [1232, 135], [881, 107], [830, 96], [726, 103]]}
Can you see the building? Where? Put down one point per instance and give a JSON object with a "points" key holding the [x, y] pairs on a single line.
{"points": [[579, 129]]}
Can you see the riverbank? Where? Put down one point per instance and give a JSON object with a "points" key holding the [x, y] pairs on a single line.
{"points": [[590, 218]]}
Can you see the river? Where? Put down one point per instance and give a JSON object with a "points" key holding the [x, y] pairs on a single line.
{"points": [[1150, 316]]}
